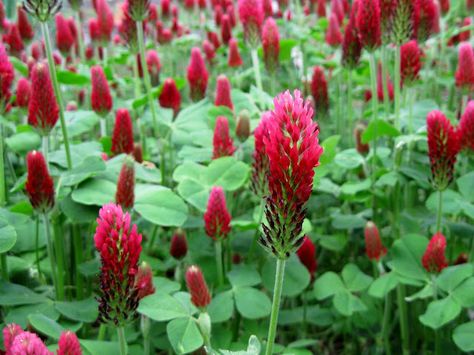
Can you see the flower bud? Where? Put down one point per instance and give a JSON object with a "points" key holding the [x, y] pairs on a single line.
{"points": [[217, 218], [68, 344], [197, 287], [242, 129], [223, 92], [101, 99], [222, 142], [170, 96], [125, 194], [179, 245], [434, 259], [373, 244], [144, 281], [122, 137], [39, 184]]}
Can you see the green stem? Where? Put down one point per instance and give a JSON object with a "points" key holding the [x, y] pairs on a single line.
{"points": [[78, 259], [397, 86], [145, 328], [349, 104], [102, 331], [3, 193], [279, 276], [59, 249], [437, 331], [52, 257], [386, 324], [256, 68], [439, 211], [57, 91], [220, 269], [153, 238], [386, 97], [402, 309], [373, 84], [122, 341], [465, 99], [37, 249], [80, 40], [45, 148]]}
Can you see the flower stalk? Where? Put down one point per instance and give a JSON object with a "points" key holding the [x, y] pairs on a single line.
{"points": [[122, 340], [256, 69], [279, 277], [397, 84]]}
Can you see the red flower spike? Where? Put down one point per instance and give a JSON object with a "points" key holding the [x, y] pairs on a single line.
{"points": [[333, 33], [465, 71], [165, 8], [222, 142], [125, 194], [434, 259], [39, 184], [153, 13], [410, 62], [43, 110], [293, 152], [218, 15], [2, 15], [231, 13], [214, 39], [64, 37], [307, 255], [425, 19], [351, 44], [267, 8], [170, 96], [23, 92], [373, 244], [197, 287], [68, 344], [101, 100], [368, 24], [444, 6], [466, 127], [24, 27], [179, 245], [10, 331], [443, 147], [223, 89], [197, 75], [226, 29], [209, 51], [154, 66], [37, 51], [217, 218], [242, 129], [321, 8], [144, 281], [27, 343], [14, 40], [337, 10], [94, 30], [270, 44], [260, 158], [465, 35], [128, 29], [105, 20], [7, 75], [251, 17], [122, 137], [319, 91], [233, 59]]}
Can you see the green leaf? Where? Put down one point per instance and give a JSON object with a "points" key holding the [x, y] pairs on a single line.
{"points": [[162, 307], [335, 242], [329, 146], [286, 45], [347, 304], [452, 276], [46, 325], [7, 236], [161, 206], [348, 221], [195, 193], [466, 186], [13, 295], [406, 257], [184, 335], [19, 315], [297, 277], [90, 166], [95, 191], [100, 347], [463, 293], [80, 122], [77, 212], [19, 66], [354, 187], [451, 200], [379, 128], [82, 311], [165, 285], [425, 292], [349, 159], [71, 78], [244, 275], [463, 336], [354, 279], [227, 172], [383, 285], [188, 170], [221, 307], [23, 142], [252, 303], [440, 312], [327, 285]]}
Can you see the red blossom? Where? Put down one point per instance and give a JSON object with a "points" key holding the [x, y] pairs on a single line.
{"points": [[165, 7], [267, 8], [368, 24], [119, 246], [466, 127], [214, 39], [465, 71], [14, 40], [222, 142], [128, 29], [24, 27], [39, 184], [380, 92], [319, 91], [373, 244], [444, 6], [37, 50], [410, 62], [362, 148], [270, 44], [6, 78], [154, 66], [321, 8], [337, 10], [217, 218], [307, 255], [125, 194], [64, 37], [233, 59], [23, 92], [434, 259], [251, 17], [197, 287], [333, 33], [197, 75], [223, 89], [101, 99], [170, 96], [351, 44], [10, 331], [122, 137], [138, 153], [179, 245], [27, 343], [226, 29], [260, 158], [144, 281], [209, 51], [425, 19], [69, 344], [105, 20]]}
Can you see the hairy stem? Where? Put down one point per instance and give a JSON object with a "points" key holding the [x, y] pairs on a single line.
{"points": [[279, 276]]}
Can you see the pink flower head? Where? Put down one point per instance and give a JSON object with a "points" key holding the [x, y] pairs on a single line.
{"points": [[101, 99], [94, 30], [293, 152], [444, 6], [24, 27], [465, 35], [270, 44], [351, 44], [37, 50], [154, 66], [6, 78], [119, 246], [465, 70], [425, 19], [43, 110], [434, 259], [122, 137], [64, 37], [197, 287], [23, 92], [466, 127], [209, 51], [321, 8], [144, 281], [333, 33], [222, 142], [27, 343], [39, 184], [217, 218], [69, 344], [234, 59], [10, 331], [214, 39], [226, 29], [319, 91], [179, 245], [170, 96], [307, 255], [223, 97], [410, 62], [197, 75], [128, 29], [443, 147], [373, 244], [105, 20], [125, 195], [368, 24], [260, 159], [14, 40], [251, 17], [165, 7]]}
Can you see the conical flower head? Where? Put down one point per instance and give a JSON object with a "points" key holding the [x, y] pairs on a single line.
{"points": [[251, 17], [144, 281], [293, 152], [223, 89], [410, 62], [119, 246], [425, 19], [154, 66], [14, 40], [388, 10], [319, 91], [10, 331], [197, 75], [465, 70], [127, 29], [321, 8], [27, 343], [122, 137], [222, 142], [105, 20], [466, 127], [197, 287], [6, 78], [362, 148], [170, 96], [43, 110], [64, 36], [125, 194], [267, 8], [101, 99], [351, 44], [368, 24], [39, 184], [24, 27], [337, 10], [23, 92], [217, 218], [443, 147], [68, 344], [434, 259], [209, 51], [260, 166], [270, 44], [444, 6], [234, 60], [226, 29], [307, 255], [333, 34], [373, 244], [179, 244]]}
